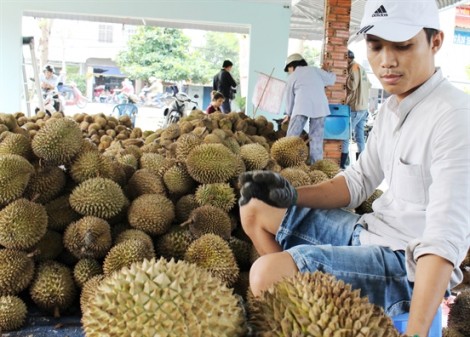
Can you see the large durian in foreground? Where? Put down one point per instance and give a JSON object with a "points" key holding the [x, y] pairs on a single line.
{"points": [[12, 313], [211, 163], [289, 151], [316, 304], [58, 141], [99, 197], [15, 173], [161, 298], [22, 224]]}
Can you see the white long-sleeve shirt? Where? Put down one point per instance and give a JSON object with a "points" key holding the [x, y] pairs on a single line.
{"points": [[305, 92], [421, 146]]}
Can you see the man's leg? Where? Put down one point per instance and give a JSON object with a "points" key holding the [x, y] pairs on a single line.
{"points": [[361, 117], [261, 222], [225, 107], [296, 125], [316, 135]]}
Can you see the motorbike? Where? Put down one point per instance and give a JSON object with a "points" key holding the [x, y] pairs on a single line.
{"points": [[72, 95], [53, 102], [177, 107]]}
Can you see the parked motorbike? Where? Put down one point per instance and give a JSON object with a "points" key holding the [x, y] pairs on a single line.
{"points": [[177, 107], [53, 102]]}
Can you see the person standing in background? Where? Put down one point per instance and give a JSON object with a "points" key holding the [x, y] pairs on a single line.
{"points": [[306, 100], [357, 86], [224, 83]]}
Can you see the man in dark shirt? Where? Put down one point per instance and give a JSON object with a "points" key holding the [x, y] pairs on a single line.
{"points": [[223, 82]]}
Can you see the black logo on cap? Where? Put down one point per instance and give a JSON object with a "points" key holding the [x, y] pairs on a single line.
{"points": [[380, 12]]}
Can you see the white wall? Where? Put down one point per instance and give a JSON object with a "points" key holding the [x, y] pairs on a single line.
{"points": [[268, 24]]}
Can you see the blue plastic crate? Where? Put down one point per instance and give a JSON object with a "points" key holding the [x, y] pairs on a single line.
{"points": [[337, 125], [401, 322]]}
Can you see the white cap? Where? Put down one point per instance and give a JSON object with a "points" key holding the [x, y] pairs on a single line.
{"points": [[397, 20], [292, 58]]}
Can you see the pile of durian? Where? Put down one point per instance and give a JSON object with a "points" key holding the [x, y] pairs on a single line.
{"points": [[141, 228]]}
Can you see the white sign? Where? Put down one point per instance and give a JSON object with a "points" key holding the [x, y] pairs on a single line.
{"points": [[268, 94]]}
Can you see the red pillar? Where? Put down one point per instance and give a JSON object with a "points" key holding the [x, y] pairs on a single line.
{"points": [[335, 50]]}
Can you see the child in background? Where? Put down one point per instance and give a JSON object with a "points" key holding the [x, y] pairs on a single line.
{"points": [[216, 102]]}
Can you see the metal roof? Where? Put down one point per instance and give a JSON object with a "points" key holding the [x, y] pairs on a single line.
{"points": [[306, 19]]}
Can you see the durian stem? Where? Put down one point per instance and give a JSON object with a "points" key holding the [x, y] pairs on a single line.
{"points": [[56, 312]]}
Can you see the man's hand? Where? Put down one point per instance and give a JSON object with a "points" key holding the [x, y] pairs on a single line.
{"points": [[267, 186]]}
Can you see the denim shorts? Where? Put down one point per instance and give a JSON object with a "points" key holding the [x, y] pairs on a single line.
{"points": [[329, 241]]}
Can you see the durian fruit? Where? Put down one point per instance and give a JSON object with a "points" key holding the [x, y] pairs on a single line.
{"points": [[220, 195], [289, 151], [174, 243], [316, 304], [14, 143], [12, 313], [49, 247], [161, 298], [45, 184], [53, 288], [89, 237], [85, 269], [89, 290], [295, 176], [58, 141], [16, 271], [459, 313], [135, 234], [209, 219], [22, 224], [328, 166], [317, 176], [60, 214], [124, 254], [144, 181], [211, 163], [184, 206], [15, 172], [152, 162], [255, 156], [451, 332], [213, 253], [152, 213], [91, 164], [366, 206], [178, 181], [241, 250], [100, 197]]}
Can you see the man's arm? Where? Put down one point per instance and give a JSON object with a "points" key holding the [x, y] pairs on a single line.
{"points": [[431, 281], [352, 82], [330, 194]]}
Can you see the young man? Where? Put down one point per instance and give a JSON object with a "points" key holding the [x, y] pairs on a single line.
{"points": [[224, 83], [406, 254], [357, 87]]}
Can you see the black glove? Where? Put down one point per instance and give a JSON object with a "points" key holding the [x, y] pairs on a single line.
{"points": [[267, 186]]}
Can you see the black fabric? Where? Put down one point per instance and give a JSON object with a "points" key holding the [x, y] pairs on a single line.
{"points": [[267, 186], [223, 82]]}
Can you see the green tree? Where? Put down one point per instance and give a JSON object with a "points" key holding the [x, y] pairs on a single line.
{"points": [[312, 55], [157, 51], [220, 47]]}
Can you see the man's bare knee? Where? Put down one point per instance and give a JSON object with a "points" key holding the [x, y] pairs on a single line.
{"points": [[269, 269]]}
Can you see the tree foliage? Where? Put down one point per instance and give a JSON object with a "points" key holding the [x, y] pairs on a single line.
{"points": [[156, 51], [167, 53]]}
